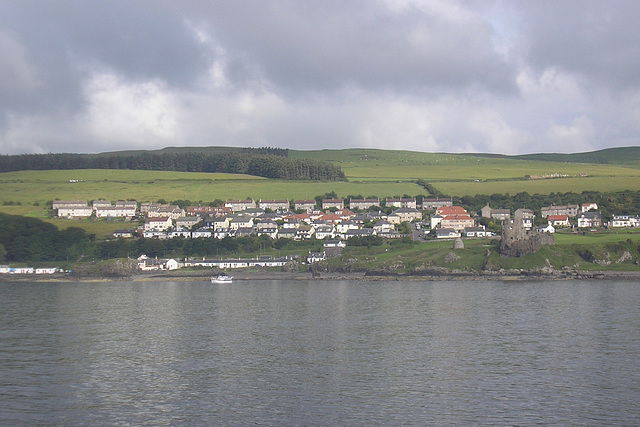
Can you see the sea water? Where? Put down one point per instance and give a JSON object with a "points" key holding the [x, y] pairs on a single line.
{"points": [[320, 353]]}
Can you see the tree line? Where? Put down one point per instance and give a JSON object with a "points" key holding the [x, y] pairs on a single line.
{"points": [[609, 204], [278, 166], [24, 239]]}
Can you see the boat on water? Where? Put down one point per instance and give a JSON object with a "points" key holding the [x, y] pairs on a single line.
{"points": [[222, 278]]}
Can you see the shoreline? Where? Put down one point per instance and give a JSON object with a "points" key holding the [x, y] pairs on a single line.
{"points": [[427, 276]]}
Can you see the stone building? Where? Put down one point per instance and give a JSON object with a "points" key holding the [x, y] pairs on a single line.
{"points": [[518, 241]]}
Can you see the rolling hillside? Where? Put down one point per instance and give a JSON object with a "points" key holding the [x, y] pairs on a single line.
{"points": [[618, 155]]}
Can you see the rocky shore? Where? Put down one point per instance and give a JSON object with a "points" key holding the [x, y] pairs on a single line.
{"points": [[433, 274]]}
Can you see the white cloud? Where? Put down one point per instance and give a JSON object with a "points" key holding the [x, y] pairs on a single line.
{"points": [[136, 114], [576, 137]]}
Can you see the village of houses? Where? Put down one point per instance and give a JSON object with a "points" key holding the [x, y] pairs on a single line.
{"points": [[330, 221]]}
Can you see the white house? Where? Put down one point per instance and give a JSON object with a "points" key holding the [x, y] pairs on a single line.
{"points": [[625, 221], [437, 202], [324, 231], [266, 231], [304, 205], [546, 229], [115, 212], [57, 204], [558, 220], [334, 244], [304, 232], [75, 212], [383, 226], [180, 232], [361, 232], [101, 204], [241, 222], [363, 204], [476, 232], [316, 257], [221, 233], [155, 234], [345, 226], [158, 224], [274, 205], [405, 215], [151, 264], [447, 233], [436, 220], [240, 205], [401, 203], [589, 219], [187, 221], [527, 216], [201, 233], [332, 203]]}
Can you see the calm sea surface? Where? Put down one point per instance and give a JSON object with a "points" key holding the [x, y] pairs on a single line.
{"points": [[320, 353]]}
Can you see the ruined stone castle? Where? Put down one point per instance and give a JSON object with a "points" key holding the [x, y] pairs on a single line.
{"points": [[518, 240]]}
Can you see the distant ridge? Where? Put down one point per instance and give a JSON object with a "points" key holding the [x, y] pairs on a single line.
{"points": [[617, 155]]}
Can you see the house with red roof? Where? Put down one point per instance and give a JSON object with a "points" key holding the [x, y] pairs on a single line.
{"points": [[558, 220]]}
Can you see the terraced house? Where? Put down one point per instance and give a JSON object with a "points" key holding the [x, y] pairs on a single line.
{"points": [[363, 204], [568, 210]]}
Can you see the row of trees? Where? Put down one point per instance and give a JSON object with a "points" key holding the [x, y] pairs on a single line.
{"points": [[33, 240], [609, 204], [278, 166], [25, 239]]}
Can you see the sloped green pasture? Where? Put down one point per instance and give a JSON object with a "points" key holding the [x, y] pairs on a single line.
{"points": [[370, 164], [27, 192]]}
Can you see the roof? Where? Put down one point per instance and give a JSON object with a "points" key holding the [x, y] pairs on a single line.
{"points": [[406, 210], [590, 214], [458, 217], [448, 210], [558, 217]]}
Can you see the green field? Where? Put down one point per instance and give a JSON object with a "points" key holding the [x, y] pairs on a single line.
{"points": [[27, 192], [463, 174], [368, 164], [382, 173]]}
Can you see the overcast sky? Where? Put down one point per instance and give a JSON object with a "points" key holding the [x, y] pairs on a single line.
{"points": [[426, 75]]}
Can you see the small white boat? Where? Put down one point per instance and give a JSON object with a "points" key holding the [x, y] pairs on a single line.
{"points": [[222, 278]]}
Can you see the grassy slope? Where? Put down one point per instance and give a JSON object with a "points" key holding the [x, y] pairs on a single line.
{"points": [[482, 254], [618, 155], [461, 174]]}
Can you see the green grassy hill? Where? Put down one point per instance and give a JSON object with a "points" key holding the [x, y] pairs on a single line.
{"points": [[370, 172], [618, 155], [471, 174]]}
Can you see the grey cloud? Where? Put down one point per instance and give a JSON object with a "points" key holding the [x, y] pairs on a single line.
{"points": [[139, 39], [598, 40], [65, 41], [313, 74], [322, 46]]}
